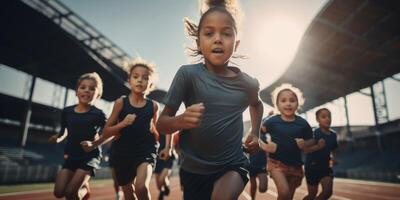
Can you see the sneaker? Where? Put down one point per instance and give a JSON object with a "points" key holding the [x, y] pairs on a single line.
{"points": [[166, 190], [161, 196]]}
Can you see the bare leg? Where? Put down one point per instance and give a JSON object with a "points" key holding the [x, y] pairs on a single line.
{"points": [[62, 180], [253, 187], [74, 187], [263, 182], [327, 185], [142, 183], [282, 185], [294, 183], [229, 186], [312, 192]]}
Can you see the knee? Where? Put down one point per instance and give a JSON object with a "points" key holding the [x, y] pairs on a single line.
{"points": [[327, 193], [263, 188], [141, 188], [284, 194], [58, 193], [71, 193]]}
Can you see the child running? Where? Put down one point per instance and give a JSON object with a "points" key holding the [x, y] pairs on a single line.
{"points": [[164, 165], [132, 120], [215, 95], [289, 134], [257, 169], [79, 122], [317, 167]]}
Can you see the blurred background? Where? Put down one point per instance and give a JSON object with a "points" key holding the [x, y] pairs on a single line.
{"points": [[343, 54]]}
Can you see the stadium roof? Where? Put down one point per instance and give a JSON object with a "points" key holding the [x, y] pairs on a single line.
{"points": [[46, 39], [350, 45]]}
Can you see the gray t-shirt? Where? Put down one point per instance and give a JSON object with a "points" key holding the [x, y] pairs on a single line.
{"points": [[217, 142]]}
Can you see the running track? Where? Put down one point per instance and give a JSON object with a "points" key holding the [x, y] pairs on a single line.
{"points": [[344, 189]]}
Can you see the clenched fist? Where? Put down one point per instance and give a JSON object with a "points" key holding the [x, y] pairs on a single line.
{"points": [[192, 116], [128, 120]]}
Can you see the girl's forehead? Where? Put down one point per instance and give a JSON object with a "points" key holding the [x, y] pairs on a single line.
{"points": [[217, 17], [141, 69], [287, 94], [89, 82], [324, 112]]}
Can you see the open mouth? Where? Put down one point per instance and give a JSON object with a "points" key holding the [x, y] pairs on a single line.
{"points": [[218, 51]]}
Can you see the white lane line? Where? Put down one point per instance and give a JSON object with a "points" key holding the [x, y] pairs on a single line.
{"points": [[375, 183], [25, 192]]}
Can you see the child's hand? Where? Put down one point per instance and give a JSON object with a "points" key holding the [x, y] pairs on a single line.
{"points": [[165, 154], [269, 147], [251, 144], [53, 139], [321, 143], [300, 142], [87, 146], [191, 118], [129, 119]]}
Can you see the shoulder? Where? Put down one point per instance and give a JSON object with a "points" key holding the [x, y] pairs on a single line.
{"points": [[317, 131], [333, 133], [154, 104], [301, 120], [189, 69], [97, 110], [120, 100], [68, 109], [273, 119], [251, 81]]}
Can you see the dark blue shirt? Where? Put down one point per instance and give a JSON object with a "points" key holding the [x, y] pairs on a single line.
{"points": [[283, 133], [136, 139], [320, 159], [80, 127]]}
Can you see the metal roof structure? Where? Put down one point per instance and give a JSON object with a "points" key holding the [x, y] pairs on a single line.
{"points": [[350, 45], [46, 39]]}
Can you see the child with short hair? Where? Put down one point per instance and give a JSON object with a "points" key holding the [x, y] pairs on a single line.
{"points": [[317, 167], [80, 122]]}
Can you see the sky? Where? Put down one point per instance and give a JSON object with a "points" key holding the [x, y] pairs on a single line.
{"points": [[271, 32]]}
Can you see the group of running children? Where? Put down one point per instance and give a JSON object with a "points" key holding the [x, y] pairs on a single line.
{"points": [[214, 164]]}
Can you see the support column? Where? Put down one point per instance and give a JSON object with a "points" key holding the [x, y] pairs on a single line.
{"points": [[28, 113], [349, 135]]}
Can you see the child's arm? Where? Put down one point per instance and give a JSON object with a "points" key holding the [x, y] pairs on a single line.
{"points": [[154, 120], [55, 139], [168, 123], [166, 153], [269, 146], [256, 111], [333, 158], [111, 128], [311, 145]]}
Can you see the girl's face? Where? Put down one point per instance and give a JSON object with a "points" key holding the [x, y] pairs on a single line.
{"points": [[324, 119], [139, 79], [87, 91], [287, 103], [217, 39]]}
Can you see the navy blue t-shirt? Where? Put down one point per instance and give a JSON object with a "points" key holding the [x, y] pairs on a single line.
{"points": [[320, 159], [283, 133], [80, 127], [136, 139]]}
